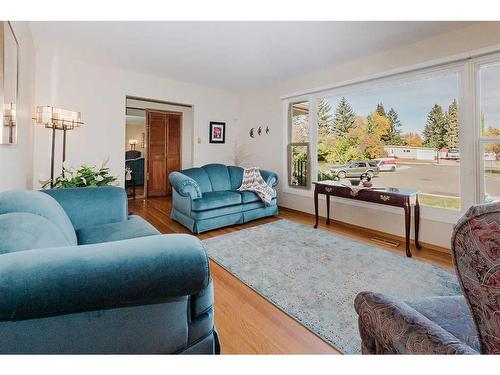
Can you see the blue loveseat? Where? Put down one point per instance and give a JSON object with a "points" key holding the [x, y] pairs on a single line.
{"points": [[78, 275], [207, 198]]}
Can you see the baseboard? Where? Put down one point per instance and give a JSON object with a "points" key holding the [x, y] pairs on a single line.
{"points": [[372, 232]]}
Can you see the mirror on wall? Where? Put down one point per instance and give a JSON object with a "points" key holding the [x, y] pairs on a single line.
{"points": [[9, 59]]}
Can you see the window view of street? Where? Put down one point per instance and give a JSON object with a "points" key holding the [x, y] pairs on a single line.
{"points": [[404, 135], [409, 132], [489, 80], [491, 164]]}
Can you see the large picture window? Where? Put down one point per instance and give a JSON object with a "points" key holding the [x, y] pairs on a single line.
{"points": [[408, 132], [436, 130]]}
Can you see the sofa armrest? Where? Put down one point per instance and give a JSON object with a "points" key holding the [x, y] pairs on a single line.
{"points": [[92, 206], [271, 178], [63, 280], [184, 185], [390, 326]]}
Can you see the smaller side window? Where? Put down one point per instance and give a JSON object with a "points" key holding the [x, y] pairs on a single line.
{"points": [[299, 158]]}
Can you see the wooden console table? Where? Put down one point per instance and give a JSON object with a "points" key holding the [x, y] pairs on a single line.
{"points": [[385, 196]]}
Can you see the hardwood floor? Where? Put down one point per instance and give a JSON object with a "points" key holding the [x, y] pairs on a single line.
{"points": [[248, 323]]}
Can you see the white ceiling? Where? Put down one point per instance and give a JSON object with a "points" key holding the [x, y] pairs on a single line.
{"points": [[231, 55]]}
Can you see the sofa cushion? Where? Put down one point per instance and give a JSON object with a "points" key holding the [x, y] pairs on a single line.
{"points": [[257, 204], [201, 178], [89, 206], [235, 176], [25, 231], [217, 212], [134, 227], [450, 313], [219, 176], [250, 196], [215, 199], [40, 204]]}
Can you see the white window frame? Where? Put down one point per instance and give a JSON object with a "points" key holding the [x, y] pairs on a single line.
{"points": [[481, 141], [471, 165], [287, 139]]}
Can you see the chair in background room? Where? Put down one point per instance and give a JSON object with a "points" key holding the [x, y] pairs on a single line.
{"points": [[132, 154], [135, 162]]}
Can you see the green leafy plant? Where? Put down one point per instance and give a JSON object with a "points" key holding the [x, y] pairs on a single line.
{"points": [[85, 176]]}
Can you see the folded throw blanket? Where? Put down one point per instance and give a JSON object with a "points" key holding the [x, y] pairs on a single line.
{"points": [[253, 181]]}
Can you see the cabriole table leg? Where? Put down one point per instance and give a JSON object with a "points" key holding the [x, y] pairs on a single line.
{"points": [[407, 225], [316, 206], [417, 222]]}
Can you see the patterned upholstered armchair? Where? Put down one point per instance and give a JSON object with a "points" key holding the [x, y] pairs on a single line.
{"points": [[468, 324]]}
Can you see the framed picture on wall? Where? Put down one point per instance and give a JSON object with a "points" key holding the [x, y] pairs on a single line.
{"points": [[217, 132]]}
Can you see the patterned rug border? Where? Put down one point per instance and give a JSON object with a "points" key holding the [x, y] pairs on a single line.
{"points": [[303, 324]]}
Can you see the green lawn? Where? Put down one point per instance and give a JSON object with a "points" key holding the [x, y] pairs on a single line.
{"points": [[439, 201]]}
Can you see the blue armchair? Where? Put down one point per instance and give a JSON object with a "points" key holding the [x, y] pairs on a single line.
{"points": [[207, 198], [78, 275]]}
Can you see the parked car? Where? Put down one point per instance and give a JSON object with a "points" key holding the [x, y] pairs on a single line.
{"points": [[386, 164], [490, 156], [356, 168], [453, 153]]}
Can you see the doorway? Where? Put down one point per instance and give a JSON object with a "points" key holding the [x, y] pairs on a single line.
{"points": [[164, 152], [135, 152], [153, 144]]}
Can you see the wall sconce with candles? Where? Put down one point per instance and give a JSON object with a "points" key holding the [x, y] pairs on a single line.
{"points": [[9, 123], [57, 119], [9, 81], [133, 143]]}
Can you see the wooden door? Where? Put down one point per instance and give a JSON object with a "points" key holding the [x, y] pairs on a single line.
{"points": [[164, 150], [173, 145]]}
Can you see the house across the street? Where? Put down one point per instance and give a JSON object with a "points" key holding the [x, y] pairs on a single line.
{"points": [[416, 153]]}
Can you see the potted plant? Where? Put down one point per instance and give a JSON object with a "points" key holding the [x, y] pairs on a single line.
{"points": [[85, 176]]}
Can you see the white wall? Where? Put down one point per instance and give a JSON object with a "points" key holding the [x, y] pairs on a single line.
{"points": [[264, 107], [99, 93], [16, 161]]}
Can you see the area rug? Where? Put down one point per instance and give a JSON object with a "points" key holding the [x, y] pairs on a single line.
{"points": [[313, 275]]}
